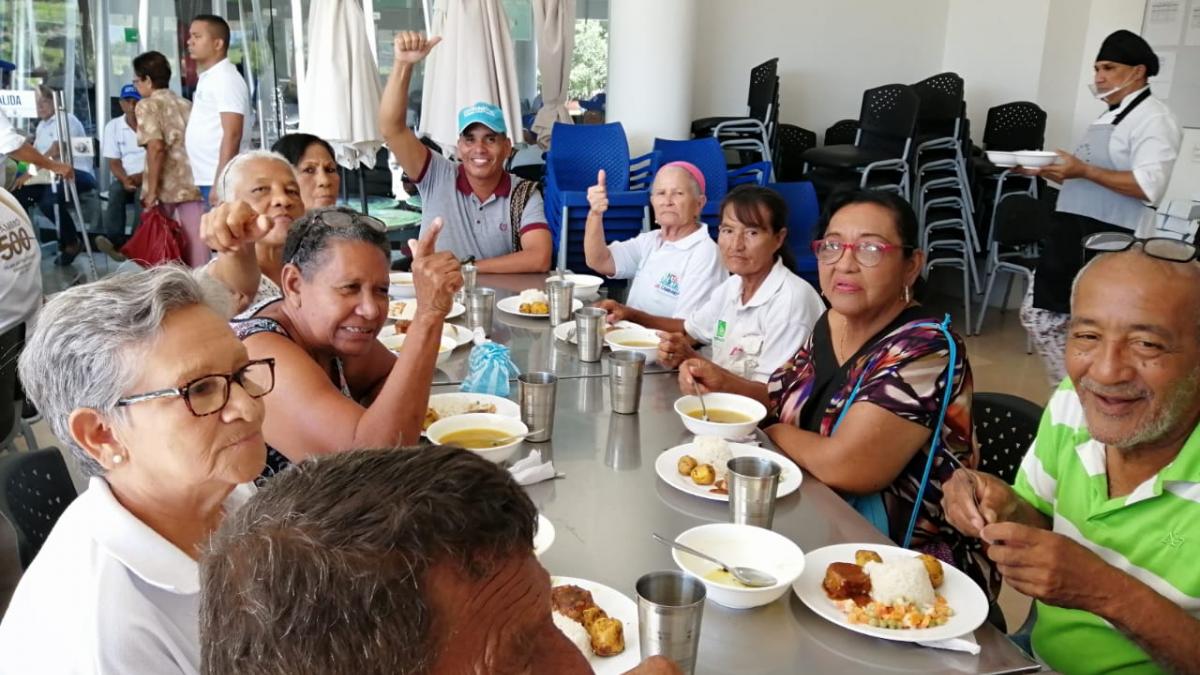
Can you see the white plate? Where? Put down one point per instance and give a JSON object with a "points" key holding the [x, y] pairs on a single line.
{"points": [[586, 285], [512, 305], [618, 606], [566, 331], [402, 285], [964, 595], [667, 462], [504, 406], [544, 536], [409, 310], [460, 334]]}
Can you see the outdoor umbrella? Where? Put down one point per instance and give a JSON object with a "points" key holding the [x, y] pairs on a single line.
{"points": [[474, 62], [554, 21], [339, 96]]}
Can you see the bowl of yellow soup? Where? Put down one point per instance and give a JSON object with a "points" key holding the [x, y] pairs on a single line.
{"points": [[480, 433], [730, 416], [634, 340], [743, 545], [393, 342]]}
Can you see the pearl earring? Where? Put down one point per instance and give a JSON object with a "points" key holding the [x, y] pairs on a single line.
{"points": [[117, 459]]}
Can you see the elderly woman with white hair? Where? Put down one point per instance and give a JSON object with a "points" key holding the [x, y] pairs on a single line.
{"points": [[674, 268], [160, 404], [258, 197]]}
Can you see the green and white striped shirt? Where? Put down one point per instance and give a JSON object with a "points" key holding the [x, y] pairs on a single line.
{"points": [[1152, 534]]}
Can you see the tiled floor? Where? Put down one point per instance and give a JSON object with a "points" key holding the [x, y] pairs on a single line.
{"points": [[998, 361]]}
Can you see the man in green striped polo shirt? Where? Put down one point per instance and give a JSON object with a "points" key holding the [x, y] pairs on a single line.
{"points": [[1102, 527]]}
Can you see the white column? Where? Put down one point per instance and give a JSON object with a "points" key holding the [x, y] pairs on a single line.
{"points": [[650, 69]]}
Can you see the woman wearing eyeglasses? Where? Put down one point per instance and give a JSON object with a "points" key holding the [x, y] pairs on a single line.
{"points": [[857, 405], [756, 318], [258, 199], [339, 387], [160, 405]]}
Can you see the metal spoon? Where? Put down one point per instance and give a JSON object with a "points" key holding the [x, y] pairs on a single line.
{"points": [[747, 575], [703, 408]]}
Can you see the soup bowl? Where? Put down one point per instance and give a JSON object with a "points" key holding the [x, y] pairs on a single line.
{"points": [[393, 342], [402, 285], [444, 431], [745, 545], [744, 414], [638, 340]]}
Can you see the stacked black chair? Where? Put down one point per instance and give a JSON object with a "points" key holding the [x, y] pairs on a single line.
{"points": [[1019, 125], [1020, 224], [843, 132], [793, 142], [755, 133], [35, 489]]}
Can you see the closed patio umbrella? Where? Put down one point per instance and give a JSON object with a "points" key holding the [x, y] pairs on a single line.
{"points": [[474, 62], [339, 97], [554, 23]]}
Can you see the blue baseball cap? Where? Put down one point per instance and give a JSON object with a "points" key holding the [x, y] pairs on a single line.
{"points": [[490, 116], [130, 91], [8, 66]]}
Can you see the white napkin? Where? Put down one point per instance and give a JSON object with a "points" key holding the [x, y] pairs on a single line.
{"points": [[963, 643], [532, 469]]}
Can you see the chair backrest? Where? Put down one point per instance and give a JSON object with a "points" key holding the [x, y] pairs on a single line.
{"points": [[764, 89], [1005, 426], [10, 349], [803, 213], [1020, 220], [579, 151], [1019, 125], [888, 117], [941, 105], [843, 132], [707, 155], [793, 141], [35, 488]]}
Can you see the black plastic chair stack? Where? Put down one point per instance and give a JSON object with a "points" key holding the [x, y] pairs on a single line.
{"points": [[1020, 224], [793, 141], [843, 132], [35, 489], [756, 133], [1005, 426]]}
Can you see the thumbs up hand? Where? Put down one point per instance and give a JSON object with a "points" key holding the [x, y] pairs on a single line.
{"points": [[598, 195]]}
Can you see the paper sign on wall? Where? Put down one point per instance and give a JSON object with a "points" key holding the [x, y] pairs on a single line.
{"points": [[18, 103]]}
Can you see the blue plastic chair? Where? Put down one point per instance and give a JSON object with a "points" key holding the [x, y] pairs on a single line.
{"points": [[709, 157], [577, 153], [803, 214]]}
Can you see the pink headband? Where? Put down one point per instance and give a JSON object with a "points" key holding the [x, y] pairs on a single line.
{"points": [[690, 168]]}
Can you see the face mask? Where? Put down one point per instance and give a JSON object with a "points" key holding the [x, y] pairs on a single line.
{"points": [[1105, 94]]}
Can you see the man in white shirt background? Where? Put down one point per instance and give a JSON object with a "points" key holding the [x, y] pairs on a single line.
{"points": [[126, 161], [219, 126]]}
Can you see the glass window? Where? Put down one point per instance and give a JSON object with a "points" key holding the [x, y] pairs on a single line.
{"points": [[50, 41]]}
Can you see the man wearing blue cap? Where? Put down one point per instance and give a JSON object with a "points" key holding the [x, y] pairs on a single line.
{"points": [[126, 162], [488, 213]]}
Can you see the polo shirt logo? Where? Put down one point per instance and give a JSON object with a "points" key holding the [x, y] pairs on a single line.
{"points": [[504, 227], [669, 283], [1172, 540]]}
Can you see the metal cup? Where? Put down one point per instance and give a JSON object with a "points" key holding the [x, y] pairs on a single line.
{"points": [[480, 304], [537, 391], [561, 295], [589, 333], [752, 483], [625, 380], [469, 272], [670, 607]]}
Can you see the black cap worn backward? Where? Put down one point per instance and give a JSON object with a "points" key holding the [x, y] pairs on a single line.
{"points": [[1128, 48]]}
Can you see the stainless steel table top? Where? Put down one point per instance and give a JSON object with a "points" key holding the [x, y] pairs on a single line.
{"points": [[611, 500]]}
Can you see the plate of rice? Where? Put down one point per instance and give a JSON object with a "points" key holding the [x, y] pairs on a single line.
{"points": [[616, 605], [902, 605], [716, 453]]}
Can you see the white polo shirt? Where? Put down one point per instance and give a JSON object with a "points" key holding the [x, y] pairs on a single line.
{"points": [[120, 142], [219, 89], [10, 140], [46, 135], [106, 594], [20, 263], [753, 339], [670, 278]]}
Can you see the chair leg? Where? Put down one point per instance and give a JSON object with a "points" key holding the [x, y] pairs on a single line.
{"points": [[967, 291], [987, 293], [562, 240], [1007, 293]]}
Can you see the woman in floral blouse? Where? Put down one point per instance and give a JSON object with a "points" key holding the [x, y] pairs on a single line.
{"points": [[858, 404]]}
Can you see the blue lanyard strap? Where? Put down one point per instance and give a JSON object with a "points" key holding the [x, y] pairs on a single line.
{"points": [[944, 326]]}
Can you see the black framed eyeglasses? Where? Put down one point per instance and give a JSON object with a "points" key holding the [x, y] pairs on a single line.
{"points": [[1163, 248], [209, 394], [340, 216]]}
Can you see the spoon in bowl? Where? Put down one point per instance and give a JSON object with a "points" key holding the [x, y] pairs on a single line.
{"points": [[703, 408], [747, 575]]}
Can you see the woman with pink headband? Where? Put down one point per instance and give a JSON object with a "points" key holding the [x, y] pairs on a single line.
{"points": [[674, 268]]}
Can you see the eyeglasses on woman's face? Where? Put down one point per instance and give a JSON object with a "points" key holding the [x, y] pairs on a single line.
{"points": [[209, 394], [868, 252]]}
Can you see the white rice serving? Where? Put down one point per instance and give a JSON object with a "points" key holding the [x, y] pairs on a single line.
{"points": [[714, 451], [575, 632], [533, 295], [900, 580]]}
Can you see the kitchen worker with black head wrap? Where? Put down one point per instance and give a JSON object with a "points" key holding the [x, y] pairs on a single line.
{"points": [[1111, 183]]}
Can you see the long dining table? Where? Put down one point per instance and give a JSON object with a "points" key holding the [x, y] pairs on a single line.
{"points": [[610, 500]]}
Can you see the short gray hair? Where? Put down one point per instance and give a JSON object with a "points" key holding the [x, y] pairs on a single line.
{"points": [[232, 175], [84, 351]]}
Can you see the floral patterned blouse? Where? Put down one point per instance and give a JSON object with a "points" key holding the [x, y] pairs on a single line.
{"points": [[903, 370]]}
